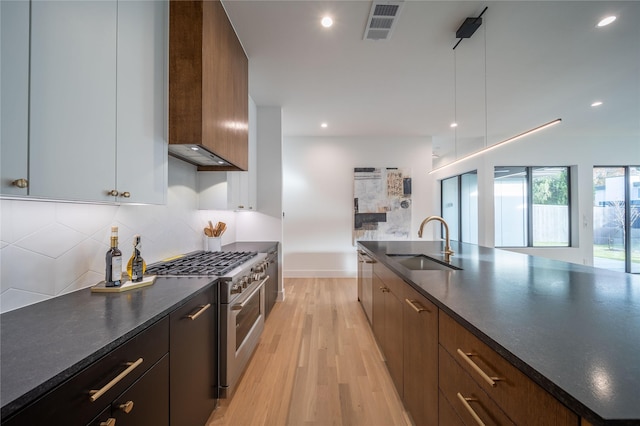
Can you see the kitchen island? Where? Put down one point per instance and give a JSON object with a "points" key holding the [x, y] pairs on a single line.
{"points": [[571, 329]]}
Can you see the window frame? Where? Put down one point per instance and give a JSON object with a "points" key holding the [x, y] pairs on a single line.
{"points": [[627, 213], [529, 213], [459, 200]]}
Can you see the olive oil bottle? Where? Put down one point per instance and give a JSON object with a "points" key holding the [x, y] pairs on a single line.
{"points": [[136, 266], [113, 273]]}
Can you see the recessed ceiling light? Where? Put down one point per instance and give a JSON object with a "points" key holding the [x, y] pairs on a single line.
{"points": [[324, 125], [452, 125], [606, 21], [596, 103], [326, 21]]}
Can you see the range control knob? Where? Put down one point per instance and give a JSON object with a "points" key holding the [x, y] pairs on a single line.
{"points": [[236, 289]]}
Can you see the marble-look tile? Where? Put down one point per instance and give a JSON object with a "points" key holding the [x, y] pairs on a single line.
{"points": [[85, 218], [26, 270], [87, 279], [23, 218], [15, 298], [52, 240], [77, 262]]}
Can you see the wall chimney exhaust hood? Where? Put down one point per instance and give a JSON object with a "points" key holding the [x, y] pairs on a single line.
{"points": [[197, 155], [208, 87]]}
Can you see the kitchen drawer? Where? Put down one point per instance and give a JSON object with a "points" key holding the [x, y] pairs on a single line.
{"points": [[393, 282], [519, 397], [455, 384], [70, 403], [149, 399], [446, 414]]}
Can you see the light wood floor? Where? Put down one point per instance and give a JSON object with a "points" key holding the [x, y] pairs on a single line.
{"points": [[317, 364]]}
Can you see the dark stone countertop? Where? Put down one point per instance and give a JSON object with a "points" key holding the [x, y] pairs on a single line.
{"points": [[44, 344], [573, 329]]}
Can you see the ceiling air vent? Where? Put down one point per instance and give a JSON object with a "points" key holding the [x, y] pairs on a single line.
{"points": [[382, 19]]}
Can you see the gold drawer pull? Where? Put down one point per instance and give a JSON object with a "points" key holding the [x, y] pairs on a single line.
{"points": [[467, 406], [126, 407], [95, 394], [490, 380], [110, 422], [200, 312], [384, 289], [417, 306]]}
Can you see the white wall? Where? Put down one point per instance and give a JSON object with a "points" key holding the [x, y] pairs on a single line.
{"points": [[318, 196], [560, 145]]}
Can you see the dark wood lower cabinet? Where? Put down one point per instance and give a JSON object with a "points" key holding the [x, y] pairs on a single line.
{"points": [[387, 320], [193, 362], [429, 356], [446, 414], [420, 321], [145, 403]]}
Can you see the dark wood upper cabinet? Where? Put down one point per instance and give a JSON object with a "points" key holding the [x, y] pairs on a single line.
{"points": [[208, 85]]}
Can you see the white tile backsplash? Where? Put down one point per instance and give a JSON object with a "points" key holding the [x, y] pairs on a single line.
{"points": [[52, 248]]}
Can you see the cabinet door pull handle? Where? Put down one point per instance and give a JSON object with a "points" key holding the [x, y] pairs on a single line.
{"points": [[466, 356], [126, 407], [384, 289], [125, 194], [192, 317], [113, 192], [469, 408], [110, 422], [95, 394], [417, 306]]}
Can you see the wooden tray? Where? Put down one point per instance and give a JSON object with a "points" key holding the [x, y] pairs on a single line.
{"points": [[128, 285]]}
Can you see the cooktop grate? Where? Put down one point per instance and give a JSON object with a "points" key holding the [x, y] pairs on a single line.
{"points": [[202, 263]]}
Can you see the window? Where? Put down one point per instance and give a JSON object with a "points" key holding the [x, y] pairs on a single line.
{"points": [[460, 206], [616, 218], [531, 206]]}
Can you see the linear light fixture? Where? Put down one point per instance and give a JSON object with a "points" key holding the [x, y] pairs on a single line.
{"points": [[496, 145]]}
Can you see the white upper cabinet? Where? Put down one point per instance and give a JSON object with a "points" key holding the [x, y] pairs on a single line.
{"points": [[141, 101], [72, 144], [14, 76], [96, 101]]}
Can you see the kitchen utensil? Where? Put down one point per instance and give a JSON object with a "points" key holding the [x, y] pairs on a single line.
{"points": [[219, 229], [208, 232]]}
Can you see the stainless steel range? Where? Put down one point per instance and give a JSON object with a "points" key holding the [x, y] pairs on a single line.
{"points": [[241, 303]]}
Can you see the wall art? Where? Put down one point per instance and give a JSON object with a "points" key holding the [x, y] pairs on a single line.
{"points": [[382, 203]]}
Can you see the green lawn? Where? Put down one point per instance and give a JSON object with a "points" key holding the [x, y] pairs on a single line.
{"points": [[603, 251]]}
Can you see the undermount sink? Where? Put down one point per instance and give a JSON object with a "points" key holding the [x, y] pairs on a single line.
{"points": [[421, 262]]}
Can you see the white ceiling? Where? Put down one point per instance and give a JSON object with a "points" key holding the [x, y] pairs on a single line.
{"points": [[529, 63]]}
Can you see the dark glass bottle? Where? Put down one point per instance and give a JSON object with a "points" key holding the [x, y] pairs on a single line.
{"points": [[136, 266], [113, 273]]}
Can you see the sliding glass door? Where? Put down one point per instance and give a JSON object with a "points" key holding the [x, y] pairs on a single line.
{"points": [[460, 206], [616, 218]]}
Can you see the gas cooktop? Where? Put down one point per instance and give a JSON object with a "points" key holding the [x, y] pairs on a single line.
{"points": [[202, 263]]}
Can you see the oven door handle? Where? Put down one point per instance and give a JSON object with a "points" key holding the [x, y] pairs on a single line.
{"points": [[239, 306]]}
